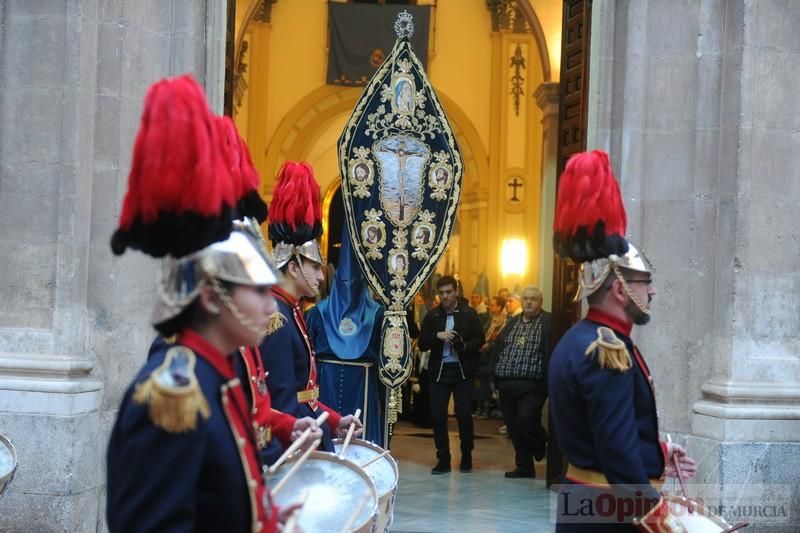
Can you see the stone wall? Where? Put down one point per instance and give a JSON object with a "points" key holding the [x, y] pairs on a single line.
{"points": [[694, 100], [73, 327]]}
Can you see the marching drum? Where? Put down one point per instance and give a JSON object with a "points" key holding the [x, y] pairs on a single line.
{"points": [[333, 489], [700, 520], [8, 463], [382, 471]]}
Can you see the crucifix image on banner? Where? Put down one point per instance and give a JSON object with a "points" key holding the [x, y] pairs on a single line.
{"points": [[402, 162]]}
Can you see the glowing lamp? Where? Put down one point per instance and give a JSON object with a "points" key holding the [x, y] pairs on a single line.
{"points": [[513, 257]]}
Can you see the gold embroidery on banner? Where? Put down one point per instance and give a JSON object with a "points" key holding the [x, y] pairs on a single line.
{"points": [[361, 172], [373, 233], [422, 235], [397, 263], [394, 115], [394, 344], [440, 176]]}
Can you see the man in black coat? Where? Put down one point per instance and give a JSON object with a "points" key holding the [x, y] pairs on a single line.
{"points": [[453, 334], [522, 355]]}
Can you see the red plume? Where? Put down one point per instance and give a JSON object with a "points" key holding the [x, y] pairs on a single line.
{"points": [[180, 193], [295, 214], [590, 220], [246, 180]]}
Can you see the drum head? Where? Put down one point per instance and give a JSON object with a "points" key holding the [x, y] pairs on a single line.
{"points": [[383, 471], [8, 462], [701, 520], [335, 489]]}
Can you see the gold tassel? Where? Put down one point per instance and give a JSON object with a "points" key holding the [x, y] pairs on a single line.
{"points": [[173, 408], [611, 351], [276, 322]]}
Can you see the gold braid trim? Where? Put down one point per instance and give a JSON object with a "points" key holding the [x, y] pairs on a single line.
{"points": [[276, 321], [173, 408], [611, 351]]}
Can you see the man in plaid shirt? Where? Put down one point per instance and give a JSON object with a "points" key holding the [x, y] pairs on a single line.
{"points": [[522, 353]]}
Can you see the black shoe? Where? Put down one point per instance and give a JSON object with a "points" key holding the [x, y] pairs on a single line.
{"points": [[466, 462], [538, 455], [520, 473], [442, 466]]}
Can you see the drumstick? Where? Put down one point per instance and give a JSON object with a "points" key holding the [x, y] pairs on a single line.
{"points": [[295, 445], [294, 518], [349, 433], [375, 459], [676, 464], [354, 516], [295, 467], [737, 527]]}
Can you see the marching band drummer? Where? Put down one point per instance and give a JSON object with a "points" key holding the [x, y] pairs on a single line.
{"points": [[601, 394], [182, 454], [274, 429], [288, 355]]}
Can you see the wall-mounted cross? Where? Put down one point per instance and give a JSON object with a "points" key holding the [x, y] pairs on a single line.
{"points": [[515, 184]]}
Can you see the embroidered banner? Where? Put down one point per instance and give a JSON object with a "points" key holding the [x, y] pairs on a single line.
{"points": [[360, 39], [401, 184]]}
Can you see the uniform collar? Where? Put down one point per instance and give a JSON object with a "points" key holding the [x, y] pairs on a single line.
{"points": [[601, 317], [284, 296], [205, 350]]}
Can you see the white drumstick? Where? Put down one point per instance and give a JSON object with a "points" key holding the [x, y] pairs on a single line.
{"points": [[375, 459], [295, 467], [354, 516], [350, 431], [294, 518], [322, 418], [295, 445]]}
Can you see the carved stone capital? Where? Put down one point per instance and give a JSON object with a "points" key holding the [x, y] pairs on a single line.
{"points": [[546, 96]]}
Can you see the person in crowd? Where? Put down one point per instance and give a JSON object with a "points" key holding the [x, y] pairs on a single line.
{"points": [[453, 334], [523, 349]]}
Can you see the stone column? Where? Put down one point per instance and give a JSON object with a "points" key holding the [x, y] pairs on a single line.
{"points": [[547, 97], [74, 323], [692, 100]]}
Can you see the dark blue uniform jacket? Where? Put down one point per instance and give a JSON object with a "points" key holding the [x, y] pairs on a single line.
{"points": [[605, 420], [189, 481]]}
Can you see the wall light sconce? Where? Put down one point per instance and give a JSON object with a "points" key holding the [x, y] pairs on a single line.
{"points": [[513, 257]]}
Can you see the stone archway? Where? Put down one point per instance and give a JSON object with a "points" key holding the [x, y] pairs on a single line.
{"points": [[304, 123]]}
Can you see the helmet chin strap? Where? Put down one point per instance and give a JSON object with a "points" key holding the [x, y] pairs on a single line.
{"points": [[628, 291], [226, 299], [297, 258]]}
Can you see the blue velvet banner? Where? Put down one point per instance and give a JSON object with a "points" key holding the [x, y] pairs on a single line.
{"points": [[401, 184]]}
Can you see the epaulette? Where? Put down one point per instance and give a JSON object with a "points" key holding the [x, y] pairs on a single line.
{"points": [[276, 322], [611, 350], [173, 393]]}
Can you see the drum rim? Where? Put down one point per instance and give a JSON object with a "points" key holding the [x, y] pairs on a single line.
{"points": [[374, 447], [330, 457], [718, 520], [5, 479]]}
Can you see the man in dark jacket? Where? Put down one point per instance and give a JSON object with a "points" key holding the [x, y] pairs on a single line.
{"points": [[522, 355], [453, 334]]}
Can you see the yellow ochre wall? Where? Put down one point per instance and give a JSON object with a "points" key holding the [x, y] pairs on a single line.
{"points": [[289, 113]]}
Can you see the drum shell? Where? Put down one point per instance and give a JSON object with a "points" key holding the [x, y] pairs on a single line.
{"points": [[324, 468], [360, 451], [700, 521], [5, 478]]}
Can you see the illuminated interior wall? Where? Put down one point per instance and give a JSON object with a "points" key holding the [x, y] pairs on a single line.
{"points": [[288, 112]]}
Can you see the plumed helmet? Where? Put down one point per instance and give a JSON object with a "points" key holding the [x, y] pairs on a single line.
{"points": [[590, 222]]}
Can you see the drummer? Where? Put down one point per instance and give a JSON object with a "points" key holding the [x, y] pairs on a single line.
{"points": [[287, 352], [601, 393], [182, 454]]}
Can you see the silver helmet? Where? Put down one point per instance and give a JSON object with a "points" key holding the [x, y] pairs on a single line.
{"points": [[241, 259], [592, 274]]}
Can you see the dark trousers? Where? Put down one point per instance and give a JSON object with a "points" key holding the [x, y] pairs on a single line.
{"points": [[451, 382], [521, 401]]}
